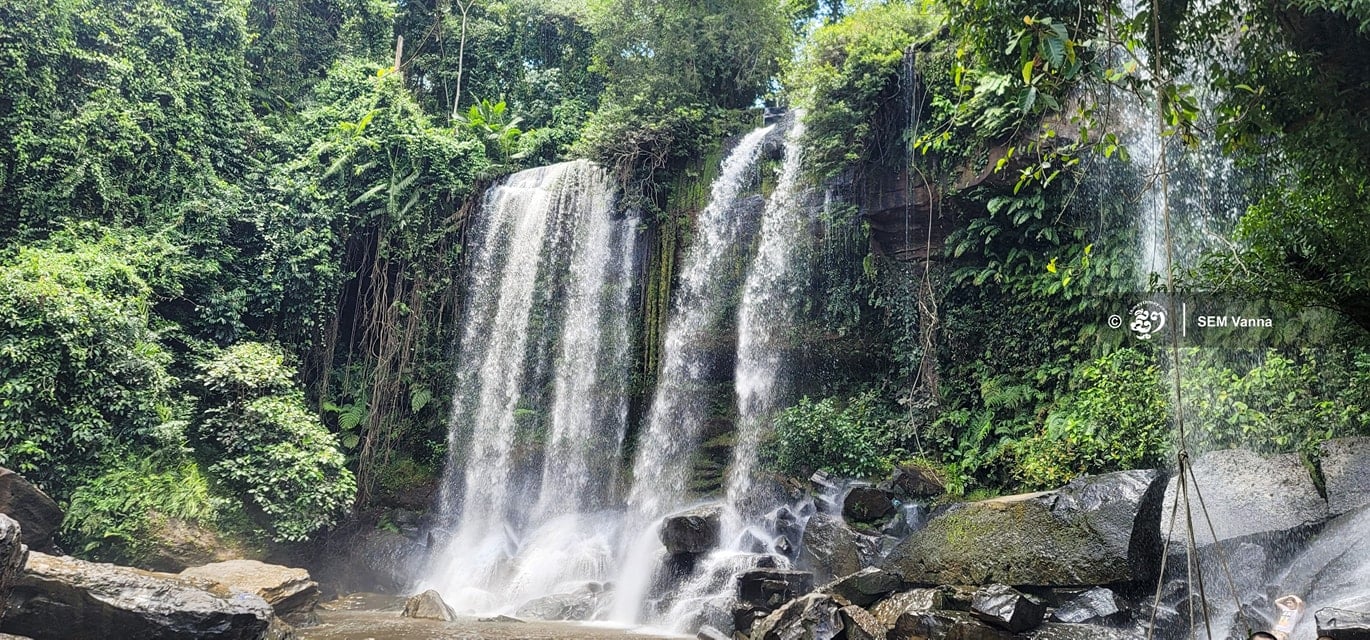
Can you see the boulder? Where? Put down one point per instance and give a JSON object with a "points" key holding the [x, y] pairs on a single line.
{"points": [[769, 588], [428, 605], [13, 556], [867, 504], [1062, 631], [1247, 494], [1096, 606], [865, 587], [1339, 624], [290, 592], [1097, 530], [580, 605], [832, 549], [1007, 608], [944, 625], [361, 558], [691, 532], [707, 632], [910, 481], [38, 515], [888, 610], [59, 598], [176, 545], [1345, 464], [811, 617], [859, 624]]}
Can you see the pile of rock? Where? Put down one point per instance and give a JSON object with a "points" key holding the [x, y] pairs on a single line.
{"points": [[1077, 562]]}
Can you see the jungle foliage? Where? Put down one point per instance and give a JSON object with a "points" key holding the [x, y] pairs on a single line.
{"points": [[231, 232]]}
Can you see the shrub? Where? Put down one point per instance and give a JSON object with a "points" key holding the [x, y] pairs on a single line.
{"points": [[851, 438], [81, 374], [114, 518], [262, 442], [1118, 418]]}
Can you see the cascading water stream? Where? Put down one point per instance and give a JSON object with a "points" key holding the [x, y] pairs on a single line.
{"points": [[516, 537], [766, 319], [678, 410]]}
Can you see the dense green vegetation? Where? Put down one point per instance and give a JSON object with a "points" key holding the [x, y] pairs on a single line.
{"points": [[231, 232]]}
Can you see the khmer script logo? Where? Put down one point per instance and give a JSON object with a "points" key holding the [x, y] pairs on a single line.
{"points": [[1148, 318]]}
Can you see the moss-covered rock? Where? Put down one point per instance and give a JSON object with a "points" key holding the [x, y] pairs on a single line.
{"points": [[1096, 530]]}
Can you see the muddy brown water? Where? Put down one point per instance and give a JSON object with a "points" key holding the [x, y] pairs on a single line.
{"points": [[365, 617]]}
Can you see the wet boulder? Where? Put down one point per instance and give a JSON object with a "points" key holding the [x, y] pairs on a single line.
{"points": [[13, 556], [1339, 624], [38, 515], [428, 605], [910, 481], [1007, 608], [580, 605], [707, 632], [867, 504], [1095, 606], [865, 587], [831, 548], [1248, 494], [770, 588], [1097, 530], [691, 532], [859, 624], [887, 611], [361, 558], [59, 598], [948, 625], [1062, 631], [811, 617], [292, 594], [1345, 465]]}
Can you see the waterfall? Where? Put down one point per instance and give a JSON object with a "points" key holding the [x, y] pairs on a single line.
{"points": [[766, 317], [548, 303], [771, 295], [678, 411]]}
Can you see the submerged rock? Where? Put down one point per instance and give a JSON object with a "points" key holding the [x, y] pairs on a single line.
{"points": [[428, 605], [811, 617], [38, 515], [691, 532], [1345, 464], [1007, 608], [289, 591], [580, 605], [1247, 494], [865, 587], [69, 599], [832, 549], [1097, 530]]}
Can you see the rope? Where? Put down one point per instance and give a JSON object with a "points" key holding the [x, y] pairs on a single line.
{"points": [[1194, 569]]}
